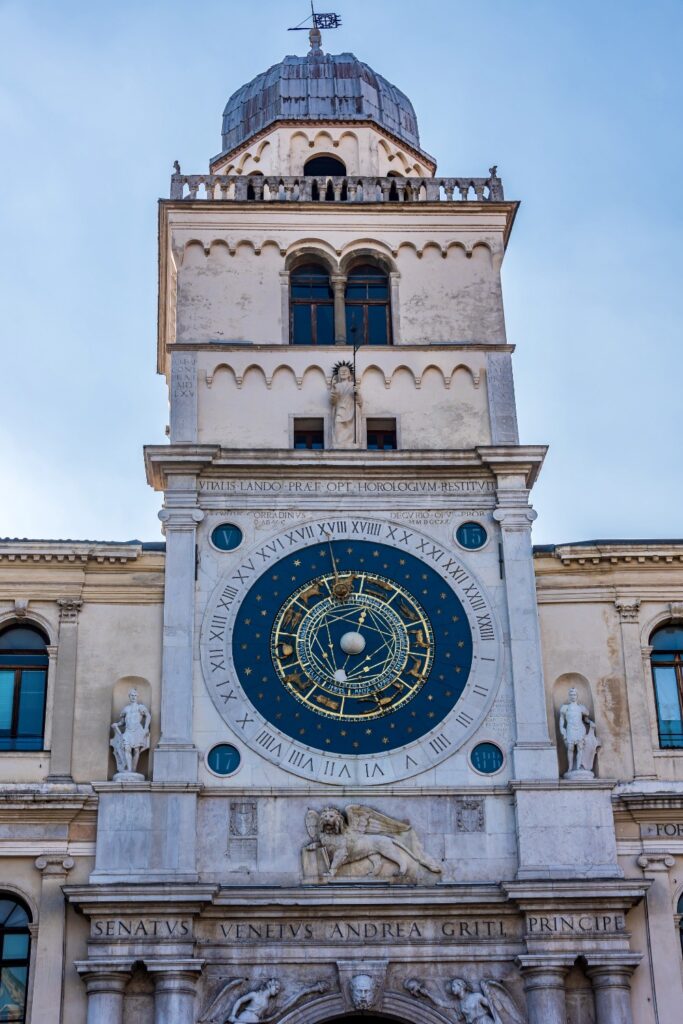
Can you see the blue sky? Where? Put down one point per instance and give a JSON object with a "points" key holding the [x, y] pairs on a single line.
{"points": [[579, 103]]}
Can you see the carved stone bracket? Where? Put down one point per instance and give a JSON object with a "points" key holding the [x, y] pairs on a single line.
{"points": [[69, 608], [676, 609], [21, 607], [362, 983], [628, 610]]}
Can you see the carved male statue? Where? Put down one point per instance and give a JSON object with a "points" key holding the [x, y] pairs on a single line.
{"points": [[362, 991], [252, 1007], [346, 401], [131, 734], [578, 733]]}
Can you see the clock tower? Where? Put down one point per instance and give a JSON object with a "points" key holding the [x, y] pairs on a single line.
{"points": [[355, 803]]}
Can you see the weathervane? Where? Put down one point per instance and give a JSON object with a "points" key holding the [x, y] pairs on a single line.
{"points": [[318, 21]]}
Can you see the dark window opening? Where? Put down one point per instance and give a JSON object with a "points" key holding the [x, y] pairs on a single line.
{"points": [[381, 435], [311, 306], [23, 682], [319, 166], [368, 311], [309, 434], [667, 671], [15, 953]]}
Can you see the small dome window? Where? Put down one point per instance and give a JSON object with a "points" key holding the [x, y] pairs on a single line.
{"points": [[324, 166]]}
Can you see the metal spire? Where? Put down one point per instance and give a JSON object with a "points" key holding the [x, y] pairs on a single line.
{"points": [[318, 21]]}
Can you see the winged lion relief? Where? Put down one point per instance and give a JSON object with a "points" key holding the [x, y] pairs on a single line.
{"points": [[360, 842]]}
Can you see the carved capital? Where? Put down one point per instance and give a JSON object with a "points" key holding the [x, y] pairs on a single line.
{"points": [[656, 861], [628, 610], [54, 864], [69, 608], [180, 518], [515, 517]]}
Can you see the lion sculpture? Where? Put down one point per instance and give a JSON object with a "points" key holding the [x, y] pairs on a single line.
{"points": [[363, 834]]}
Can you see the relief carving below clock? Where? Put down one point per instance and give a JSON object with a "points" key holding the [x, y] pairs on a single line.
{"points": [[351, 650], [361, 842]]}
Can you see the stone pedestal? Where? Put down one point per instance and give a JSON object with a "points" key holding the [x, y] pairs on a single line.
{"points": [[46, 1004], [612, 991], [545, 996]]}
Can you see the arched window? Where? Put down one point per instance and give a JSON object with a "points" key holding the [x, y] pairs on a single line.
{"points": [[311, 306], [667, 672], [23, 680], [368, 313], [324, 166], [15, 950]]}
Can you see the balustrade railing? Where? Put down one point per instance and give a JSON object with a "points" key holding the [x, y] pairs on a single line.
{"points": [[349, 189]]}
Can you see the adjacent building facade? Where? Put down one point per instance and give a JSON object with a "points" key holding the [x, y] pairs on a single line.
{"points": [[373, 757]]}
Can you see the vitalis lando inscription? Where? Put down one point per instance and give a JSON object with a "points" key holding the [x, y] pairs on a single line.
{"points": [[342, 487]]}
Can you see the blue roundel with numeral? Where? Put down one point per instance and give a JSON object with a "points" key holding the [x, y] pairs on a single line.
{"points": [[352, 647]]}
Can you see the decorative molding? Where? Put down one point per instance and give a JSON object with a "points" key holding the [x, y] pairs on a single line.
{"points": [[69, 607], [54, 864], [628, 610]]}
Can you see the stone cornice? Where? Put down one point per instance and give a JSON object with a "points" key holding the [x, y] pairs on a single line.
{"points": [[64, 551], [624, 553], [162, 461], [42, 803]]}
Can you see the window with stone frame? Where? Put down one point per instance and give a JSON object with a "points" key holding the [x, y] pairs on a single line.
{"points": [[15, 952], [23, 685], [667, 672], [311, 306], [381, 435], [367, 305], [679, 919], [309, 434]]}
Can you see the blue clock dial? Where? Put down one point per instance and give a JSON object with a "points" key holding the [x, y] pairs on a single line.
{"points": [[352, 647]]}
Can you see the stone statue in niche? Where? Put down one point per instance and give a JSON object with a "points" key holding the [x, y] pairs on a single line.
{"points": [[363, 991], [131, 737], [346, 405], [578, 732], [492, 1003], [362, 843], [257, 1006]]}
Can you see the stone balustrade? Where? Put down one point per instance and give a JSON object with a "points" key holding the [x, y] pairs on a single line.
{"points": [[300, 188]]}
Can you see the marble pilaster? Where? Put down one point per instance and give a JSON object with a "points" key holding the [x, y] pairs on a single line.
{"points": [[175, 757], [338, 282], [46, 1001], [665, 947], [639, 715], [64, 691]]}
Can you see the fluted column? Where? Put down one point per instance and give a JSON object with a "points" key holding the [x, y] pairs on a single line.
{"points": [[534, 756], [639, 715], [612, 991], [665, 955], [175, 984], [545, 993], [105, 988], [46, 1003], [338, 282], [64, 691], [175, 757]]}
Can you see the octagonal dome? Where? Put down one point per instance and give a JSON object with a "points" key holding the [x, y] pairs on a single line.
{"points": [[319, 87]]}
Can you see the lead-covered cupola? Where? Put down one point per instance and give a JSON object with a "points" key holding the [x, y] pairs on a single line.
{"points": [[321, 99]]}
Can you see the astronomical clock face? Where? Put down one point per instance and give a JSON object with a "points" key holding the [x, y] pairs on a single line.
{"points": [[351, 651]]}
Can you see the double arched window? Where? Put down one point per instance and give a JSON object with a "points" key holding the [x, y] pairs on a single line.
{"points": [[15, 948], [368, 320], [311, 308], [667, 672], [358, 306], [23, 682]]}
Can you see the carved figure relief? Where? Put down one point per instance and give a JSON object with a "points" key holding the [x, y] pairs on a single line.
{"points": [[257, 1005], [363, 843], [131, 737], [578, 732], [363, 991], [346, 405], [491, 1004]]}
